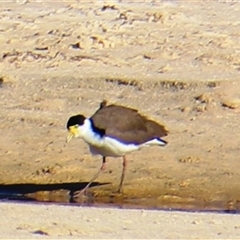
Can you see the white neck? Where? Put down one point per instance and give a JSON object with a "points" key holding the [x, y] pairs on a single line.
{"points": [[88, 135]]}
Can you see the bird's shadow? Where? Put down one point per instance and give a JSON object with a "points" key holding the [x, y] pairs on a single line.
{"points": [[21, 191]]}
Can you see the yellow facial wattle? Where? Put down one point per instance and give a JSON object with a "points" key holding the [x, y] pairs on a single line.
{"points": [[73, 132]]}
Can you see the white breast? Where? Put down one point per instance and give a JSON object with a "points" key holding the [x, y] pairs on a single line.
{"points": [[110, 147]]}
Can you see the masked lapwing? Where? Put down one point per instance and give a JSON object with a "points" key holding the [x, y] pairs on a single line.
{"points": [[114, 131]]}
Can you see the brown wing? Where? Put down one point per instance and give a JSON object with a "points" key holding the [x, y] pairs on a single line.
{"points": [[126, 124]]}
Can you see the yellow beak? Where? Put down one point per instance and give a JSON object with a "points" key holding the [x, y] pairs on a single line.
{"points": [[69, 137], [73, 132]]}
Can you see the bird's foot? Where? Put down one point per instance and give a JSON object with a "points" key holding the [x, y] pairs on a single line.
{"points": [[82, 196], [77, 196], [79, 193], [117, 194], [120, 190], [116, 197]]}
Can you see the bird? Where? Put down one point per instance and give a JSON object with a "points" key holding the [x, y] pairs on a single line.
{"points": [[114, 131]]}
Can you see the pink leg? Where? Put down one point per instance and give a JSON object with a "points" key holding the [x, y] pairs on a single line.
{"points": [[78, 193], [123, 174]]}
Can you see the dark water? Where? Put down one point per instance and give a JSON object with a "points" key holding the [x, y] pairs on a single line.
{"points": [[64, 194]]}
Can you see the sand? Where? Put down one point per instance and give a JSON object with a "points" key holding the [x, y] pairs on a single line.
{"points": [[24, 221], [177, 62]]}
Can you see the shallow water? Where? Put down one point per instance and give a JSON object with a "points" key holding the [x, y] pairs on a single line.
{"points": [[26, 193]]}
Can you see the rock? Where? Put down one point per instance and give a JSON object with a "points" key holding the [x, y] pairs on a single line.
{"points": [[186, 109], [204, 98], [231, 103]]}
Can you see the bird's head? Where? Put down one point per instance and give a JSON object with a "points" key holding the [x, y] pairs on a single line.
{"points": [[74, 125]]}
